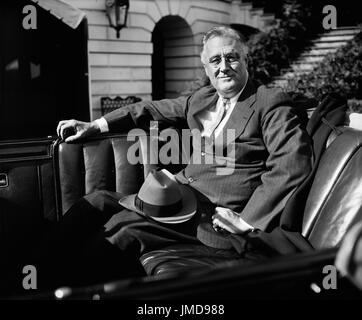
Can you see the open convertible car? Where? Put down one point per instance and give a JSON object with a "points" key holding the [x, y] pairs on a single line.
{"points": [[41, 179], [43, 79]]}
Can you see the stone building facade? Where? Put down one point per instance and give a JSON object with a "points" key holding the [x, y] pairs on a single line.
{"points": [[158, 54]]}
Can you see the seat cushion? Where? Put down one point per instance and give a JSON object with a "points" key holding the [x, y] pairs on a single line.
{"points": [[181, 257]]}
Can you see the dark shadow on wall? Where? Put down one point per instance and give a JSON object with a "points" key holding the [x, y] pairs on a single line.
{"points": [[172, 58], [158, 66], [43, 72]]}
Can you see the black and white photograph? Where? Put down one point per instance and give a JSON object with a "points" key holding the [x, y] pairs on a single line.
{"points": [[180, 154]]}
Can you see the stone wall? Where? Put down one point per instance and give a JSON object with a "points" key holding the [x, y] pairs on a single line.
{"points": [[124, 66]]}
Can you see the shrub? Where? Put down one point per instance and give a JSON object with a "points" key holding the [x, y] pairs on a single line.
{"points": [[273, 51]]}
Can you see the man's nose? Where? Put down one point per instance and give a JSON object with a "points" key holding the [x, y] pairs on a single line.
{"points": [[224, 65]]}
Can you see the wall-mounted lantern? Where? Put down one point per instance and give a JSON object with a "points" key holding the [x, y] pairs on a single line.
{"points": [[117, 11]]}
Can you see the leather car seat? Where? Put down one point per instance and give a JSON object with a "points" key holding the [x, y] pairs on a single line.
{"points": [[333, 205]]}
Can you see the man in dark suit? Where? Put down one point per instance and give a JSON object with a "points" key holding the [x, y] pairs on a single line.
{"points": [[272, 152]]}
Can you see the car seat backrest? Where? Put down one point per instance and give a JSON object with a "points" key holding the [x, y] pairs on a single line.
{"points": [[102, 163], [97, 164], [335, 199]]}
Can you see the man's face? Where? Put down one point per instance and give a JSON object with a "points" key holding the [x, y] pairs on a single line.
{"points": [[225, 65]]}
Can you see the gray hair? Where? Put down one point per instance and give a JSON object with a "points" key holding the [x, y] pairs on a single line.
{"points": [[224, 32]]}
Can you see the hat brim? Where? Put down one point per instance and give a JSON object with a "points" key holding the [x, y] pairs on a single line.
{"points": [[189, 207]]}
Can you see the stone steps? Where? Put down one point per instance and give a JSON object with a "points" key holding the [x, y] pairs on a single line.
{"points": [[326, 43], [341, 31], [245, 13]]}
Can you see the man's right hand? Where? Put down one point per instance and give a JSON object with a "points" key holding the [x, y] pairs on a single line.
{"points": [[72, 130]]}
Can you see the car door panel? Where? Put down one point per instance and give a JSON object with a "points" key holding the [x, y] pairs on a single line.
{"points": [[27, 192]]}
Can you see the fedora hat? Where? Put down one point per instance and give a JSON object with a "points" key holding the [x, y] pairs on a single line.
{"points": [[162, 199]]}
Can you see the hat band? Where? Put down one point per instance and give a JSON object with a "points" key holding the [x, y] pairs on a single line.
{"points": [[157, 211]]}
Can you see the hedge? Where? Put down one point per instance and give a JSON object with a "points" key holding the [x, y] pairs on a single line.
{"points": [[339, 72], [271, 52]]}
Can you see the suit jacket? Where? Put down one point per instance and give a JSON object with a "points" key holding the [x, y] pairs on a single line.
{"points": [[287, 237], [273, 152]]}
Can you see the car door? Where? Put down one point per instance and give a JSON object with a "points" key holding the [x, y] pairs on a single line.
{"points": [[27, 192]]}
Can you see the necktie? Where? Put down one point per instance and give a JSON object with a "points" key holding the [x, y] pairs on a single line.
{"points": [[220, 114]]}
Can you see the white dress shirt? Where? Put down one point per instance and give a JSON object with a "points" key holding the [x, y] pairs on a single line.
{"points": [[211, 115]]}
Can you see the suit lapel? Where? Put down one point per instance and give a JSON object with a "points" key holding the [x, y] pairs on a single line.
{"points": [[239, 117], [242, 111], [203, 102]]}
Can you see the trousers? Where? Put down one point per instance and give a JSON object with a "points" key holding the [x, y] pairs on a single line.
{"points": [[98, 240]]}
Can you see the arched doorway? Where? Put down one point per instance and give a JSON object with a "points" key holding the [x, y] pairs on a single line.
{"points": [[173, 59]]}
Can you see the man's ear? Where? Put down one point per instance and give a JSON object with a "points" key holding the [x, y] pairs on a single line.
{"points": [[246, 57]]}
